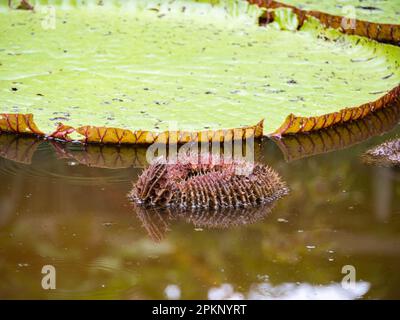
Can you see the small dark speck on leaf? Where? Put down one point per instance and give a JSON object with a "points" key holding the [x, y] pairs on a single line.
{"points": [[362, 59], [377, 92], [59, 119], [14, 89], [369, 8], [388, 76]]}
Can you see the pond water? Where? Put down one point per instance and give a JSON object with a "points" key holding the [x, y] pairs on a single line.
{"points": [[66, 206]]}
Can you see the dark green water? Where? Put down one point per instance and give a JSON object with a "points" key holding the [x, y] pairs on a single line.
{"points": [[58, 207]]}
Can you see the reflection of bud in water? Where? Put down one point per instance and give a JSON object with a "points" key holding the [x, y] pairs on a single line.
{"points": [[157, 221], [203, 182]]}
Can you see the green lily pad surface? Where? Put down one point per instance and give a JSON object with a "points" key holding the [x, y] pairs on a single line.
{"points": [[179, 66], [378, 11]]}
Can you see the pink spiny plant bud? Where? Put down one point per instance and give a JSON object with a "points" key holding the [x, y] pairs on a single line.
{"points": [[207, 182]]}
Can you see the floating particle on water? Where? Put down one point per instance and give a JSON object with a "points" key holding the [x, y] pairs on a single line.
{"points": [[310, 247], [198, 229], [262, 277], [283, 220], [23, 265], [73, 163], [108, 224]]}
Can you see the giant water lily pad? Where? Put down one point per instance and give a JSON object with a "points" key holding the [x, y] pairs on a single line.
{"points": [[139, 72], [376, 19], [379, 11]]}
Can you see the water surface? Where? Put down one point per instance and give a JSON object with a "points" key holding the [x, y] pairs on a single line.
{"points": [[66, 206]]}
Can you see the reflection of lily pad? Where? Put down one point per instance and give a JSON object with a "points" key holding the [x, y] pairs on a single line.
{"points": [[298, 146], [376, 19], [165, 76], [18, 149]]}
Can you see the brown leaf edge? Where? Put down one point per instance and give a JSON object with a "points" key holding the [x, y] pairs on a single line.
{"points": [[122, 136], [382, 32], [23, 5], [295, 124], [24, 124], [339, 137]]}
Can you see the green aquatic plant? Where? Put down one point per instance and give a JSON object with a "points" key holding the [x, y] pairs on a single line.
{"points": [[178, 71], [380, 11], [375, 19]]}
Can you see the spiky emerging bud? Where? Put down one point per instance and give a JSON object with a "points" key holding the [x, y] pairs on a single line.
{"points": [[385, 154], [203, 182]]}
